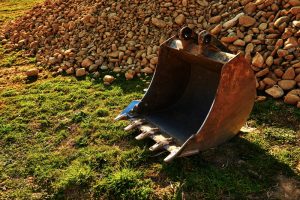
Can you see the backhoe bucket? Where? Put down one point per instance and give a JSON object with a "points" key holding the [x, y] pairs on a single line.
{"points": [[200, 96]]}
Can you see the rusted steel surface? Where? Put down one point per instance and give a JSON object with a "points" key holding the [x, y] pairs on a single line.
{"points": [[200, 96]]}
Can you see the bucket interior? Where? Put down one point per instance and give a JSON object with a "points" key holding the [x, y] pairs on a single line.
{"points": [[181, 93]]}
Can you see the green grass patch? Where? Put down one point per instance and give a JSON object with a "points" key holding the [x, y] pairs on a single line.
{"points": [[124, 184], [60, 134]]}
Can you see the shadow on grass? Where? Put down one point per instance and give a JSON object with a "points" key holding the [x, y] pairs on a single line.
{"points": [[242, 168], [31, 79], [238, 169], [275, 113]]}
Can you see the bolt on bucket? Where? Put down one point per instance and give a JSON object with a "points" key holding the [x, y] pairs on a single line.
{"points": [[200, 96]]}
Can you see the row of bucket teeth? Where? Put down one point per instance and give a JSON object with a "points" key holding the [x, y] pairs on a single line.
{"points": [[151, 131]]}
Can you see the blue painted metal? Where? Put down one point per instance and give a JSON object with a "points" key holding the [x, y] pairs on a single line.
{"points": [[126, 113]]}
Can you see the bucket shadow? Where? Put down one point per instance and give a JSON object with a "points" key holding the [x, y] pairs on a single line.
{"points": [[238, 169]]}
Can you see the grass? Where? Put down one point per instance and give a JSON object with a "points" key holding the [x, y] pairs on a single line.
{"points": [[58, 140], [10, 9]]}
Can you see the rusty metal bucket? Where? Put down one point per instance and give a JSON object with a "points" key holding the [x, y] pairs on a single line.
{"points": [[200, 96]]}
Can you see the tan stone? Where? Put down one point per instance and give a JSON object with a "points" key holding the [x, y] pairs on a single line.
{"points": [[290, 43], [147, 70], [250, 8], [86, 63], [291, 99], [296, 65], [268, 81], [269, 61], [129, 75], [114, 54], [246, 21], [262, 72], [180, 19], [216, 30], [158, 23], [260, 98], [278, 73], [295, 10], [215, 19], [70, 70], [275, 91], [258, 60], [229, 39], [281, 20], [294, 2], [249, 48], [184, 3], [108, 79], [287, 84], [154, 60], [297, 79], [289, 74], [239, 42], [281, 53], [80, 72], [32, 72], [230, 23]]}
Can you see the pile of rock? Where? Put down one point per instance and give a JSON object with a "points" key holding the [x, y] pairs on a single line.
{"points": [[89, 36]]}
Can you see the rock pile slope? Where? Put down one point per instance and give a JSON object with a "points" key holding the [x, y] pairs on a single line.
{"points": [[90, 36]]}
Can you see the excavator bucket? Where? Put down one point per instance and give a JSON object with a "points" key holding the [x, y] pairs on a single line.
{"points": [[200, 96]]}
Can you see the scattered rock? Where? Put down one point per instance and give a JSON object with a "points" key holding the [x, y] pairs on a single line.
{"points": [[108, 79], [250, 8], [154, 60], [239, 42], [294, 2], [278, 72], [158, 23], [287, 84], [80, 72], [268, 81], [260, 98], [289, 74], [275, 91], [232, 22], [291, 99], [281, 20], [246, 21], [70, 71], [147, 70], [215, 19], [216, 30], [86, 63], [269, 61], [180, 19], [263, 72], [258, 60], [32, 72]]}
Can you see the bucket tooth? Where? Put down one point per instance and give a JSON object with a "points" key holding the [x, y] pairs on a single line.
{"points": [[148, 128], [134, 124], [156, 146], [161, 142], [143, 135], [121, 117], [172, 153]]}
